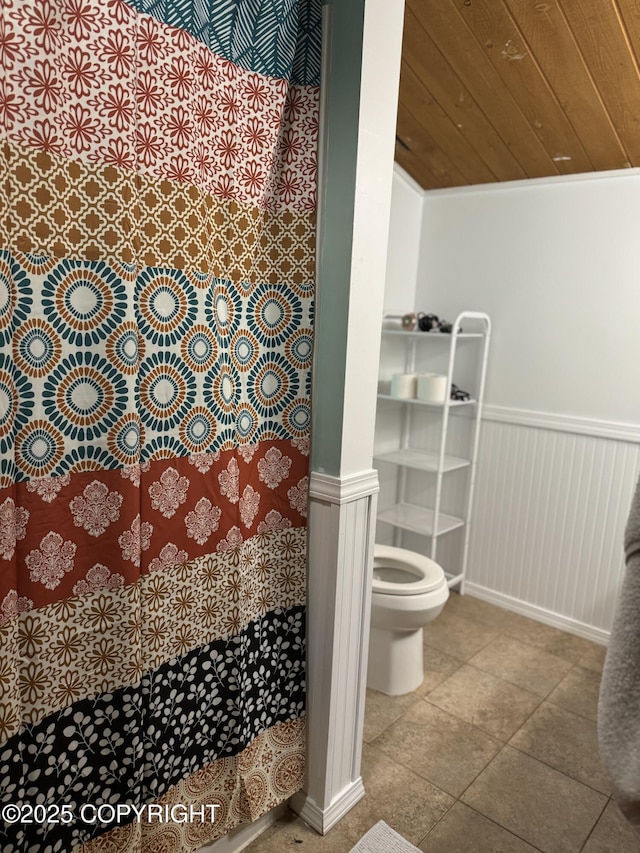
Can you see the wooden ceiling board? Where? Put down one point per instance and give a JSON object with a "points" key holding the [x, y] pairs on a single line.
{"points": [[488, 89], [430, 115], [416, 168], [496, 90], [630, 14], [509, 52], [430, 154], [439, 78], [605, 46], [556, 51]]}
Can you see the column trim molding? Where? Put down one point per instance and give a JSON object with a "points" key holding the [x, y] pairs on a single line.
{"points": [[339, 489], [323, 819]]}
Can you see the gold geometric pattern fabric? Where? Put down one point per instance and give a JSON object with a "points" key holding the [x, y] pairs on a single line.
{"points": [[69, 209]]}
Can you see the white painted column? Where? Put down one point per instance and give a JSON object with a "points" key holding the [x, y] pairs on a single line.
{"points": [[341, 533], [358, 118]]}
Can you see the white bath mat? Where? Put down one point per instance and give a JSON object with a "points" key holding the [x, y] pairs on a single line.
{"points": [[382, 839]]}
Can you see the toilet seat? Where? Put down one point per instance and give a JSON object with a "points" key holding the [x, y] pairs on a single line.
{"points": [[397, 571]]}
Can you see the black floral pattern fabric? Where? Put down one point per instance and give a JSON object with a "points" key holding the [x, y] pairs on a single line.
{"points": [[131, 745]]}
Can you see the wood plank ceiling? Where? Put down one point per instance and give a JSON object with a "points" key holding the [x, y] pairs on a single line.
{"points": [[499, 90]]}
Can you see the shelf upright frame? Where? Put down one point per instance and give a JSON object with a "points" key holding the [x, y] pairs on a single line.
{"points": [[475, 441], [405, 439]]}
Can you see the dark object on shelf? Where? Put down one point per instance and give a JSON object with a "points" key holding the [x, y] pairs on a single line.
{"points": [[427, 322], [459, 394], [431, 323]]}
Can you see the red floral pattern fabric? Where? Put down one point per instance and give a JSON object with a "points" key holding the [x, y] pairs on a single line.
{"points": [[144, 517], [101, 83]]}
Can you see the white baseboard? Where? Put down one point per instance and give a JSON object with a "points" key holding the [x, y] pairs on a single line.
{"points": [[323, 819], [243, 835], [548, 617]]}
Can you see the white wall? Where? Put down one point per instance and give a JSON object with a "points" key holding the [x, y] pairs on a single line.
{"points": [[556, 264], [405, 231]]}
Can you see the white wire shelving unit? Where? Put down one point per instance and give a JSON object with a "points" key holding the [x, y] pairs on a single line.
{"points": [[431, 522]]}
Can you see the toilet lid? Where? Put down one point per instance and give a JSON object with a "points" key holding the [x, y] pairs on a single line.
{"points": [[397, 571]]}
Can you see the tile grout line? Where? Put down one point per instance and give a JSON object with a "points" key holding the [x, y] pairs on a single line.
{"points": [[540, 698], [419, 775], [391, 722], [562, 773], [573, 664], [570, 710], [475, 778], [443, 652], [506, 829], [519, 686], [546, 651], [431, 781], [504, 631], [440, 819], [476, 726], [599, 818]]}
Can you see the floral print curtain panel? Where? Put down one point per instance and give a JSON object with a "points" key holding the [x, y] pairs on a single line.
{"points": [[156, 286]]}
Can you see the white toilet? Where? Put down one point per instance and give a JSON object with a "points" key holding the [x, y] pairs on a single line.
{"points": [[409, 590]]}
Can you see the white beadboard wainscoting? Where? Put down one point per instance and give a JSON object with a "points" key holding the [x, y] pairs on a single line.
{"points": [[551, 503], [342, 512]]}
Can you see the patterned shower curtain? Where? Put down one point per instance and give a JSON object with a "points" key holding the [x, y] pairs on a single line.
{"points": [[156, 307]]}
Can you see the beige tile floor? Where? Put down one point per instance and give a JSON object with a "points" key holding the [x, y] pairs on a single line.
{"points": [[495, 752]]}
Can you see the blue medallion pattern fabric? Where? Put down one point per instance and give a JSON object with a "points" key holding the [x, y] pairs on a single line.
{"points": [[157, 244]]}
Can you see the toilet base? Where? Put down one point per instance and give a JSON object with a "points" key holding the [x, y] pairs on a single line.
{"points": [[395, 661]]}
